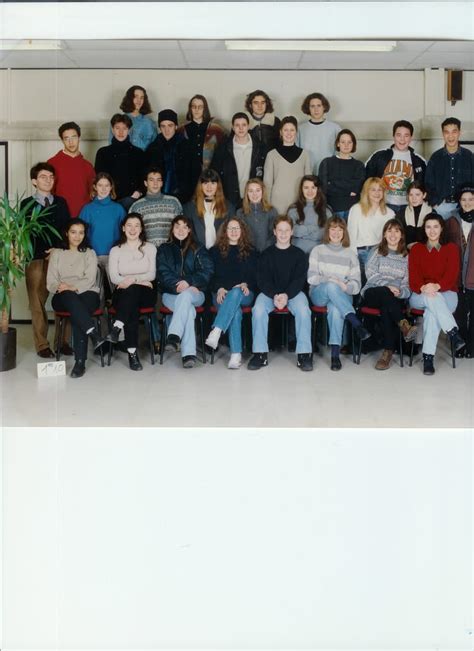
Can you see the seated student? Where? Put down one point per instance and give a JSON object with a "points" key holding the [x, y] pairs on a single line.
{"points": [[387, 288], [136, 105], [42, 177], [73, 173], [281, 278], [334, 278], [284, 167], [233, 285], [342, 176], [448, 170], [264, 125], [104, 217], [459, 231], [238, 158], [202, 134], [123, 161], [309, 214], [367, 219], [397, 166], [132, 269], [433, 271], [184, 272], [208, 209], [258, 214], [72, 278], [165, 151], [414, 214], [318, 134], [157, 209]]}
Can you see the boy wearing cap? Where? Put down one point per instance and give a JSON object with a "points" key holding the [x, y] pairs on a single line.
{"points": [[165, 151]]}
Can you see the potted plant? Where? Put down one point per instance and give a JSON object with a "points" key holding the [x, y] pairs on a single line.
{"points": [[19, 226]]}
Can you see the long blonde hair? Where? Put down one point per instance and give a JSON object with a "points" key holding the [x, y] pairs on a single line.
{"points": [[266, 205], [364, 195]]}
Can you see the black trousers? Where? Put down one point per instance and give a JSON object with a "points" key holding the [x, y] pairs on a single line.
{"points": [[81, 307], [464, 316], [391, 313], [127, 303]]}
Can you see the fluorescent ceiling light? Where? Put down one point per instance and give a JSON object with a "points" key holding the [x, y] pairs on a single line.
{"points": [[30, 45], [315, 46]]}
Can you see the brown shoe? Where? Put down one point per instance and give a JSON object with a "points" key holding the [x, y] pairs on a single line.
{"points": [[383, 363], [46, 353], [66, 349], [408, 331]]}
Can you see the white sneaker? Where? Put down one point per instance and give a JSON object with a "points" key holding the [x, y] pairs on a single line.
{"points": [[235, 360], [213, 339]]}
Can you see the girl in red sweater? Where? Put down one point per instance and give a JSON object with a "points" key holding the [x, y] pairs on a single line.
{"points": [[433, 269]]}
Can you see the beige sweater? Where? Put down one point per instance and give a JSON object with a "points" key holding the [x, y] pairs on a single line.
{"points": [[76, 268], [126, 262]]}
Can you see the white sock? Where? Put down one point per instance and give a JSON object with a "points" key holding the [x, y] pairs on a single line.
{"points": [[118, 324], [89, 331], [131, 350]]}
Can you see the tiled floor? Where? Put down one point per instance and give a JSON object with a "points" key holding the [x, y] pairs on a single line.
{"points": [[212, 396]]}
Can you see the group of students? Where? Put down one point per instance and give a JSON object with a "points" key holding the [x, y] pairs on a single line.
{"points": [[231, 238]]}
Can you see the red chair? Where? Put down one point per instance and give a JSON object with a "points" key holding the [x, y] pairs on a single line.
{"points": [[62, 316], [247, 340], [146, 313], [375, 312], [165, 312], [416, 312], [318, 311]]}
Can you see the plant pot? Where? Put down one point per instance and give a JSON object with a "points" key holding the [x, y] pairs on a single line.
{"points": [[8, 350]]}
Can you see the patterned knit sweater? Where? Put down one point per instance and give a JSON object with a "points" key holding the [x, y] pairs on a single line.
{"points": [[328, 261], [158, 211], [384, 270]]}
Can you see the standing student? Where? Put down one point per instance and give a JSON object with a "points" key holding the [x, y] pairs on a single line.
{"points": [[264, 125], [284, 167], [309, 214], [136, 105], [258, 214], [318, 134], [74, 174], [334, 278], [184, 272], [123, 161], [367, 219], [415, 212], [433, 269], [208, 209], [281, 278], [42, 178], [233, 285], [238, 158], [342, 176], [397, 166], [448, 169], [132, 269], [387, 289], [166, 151], [72, 279], [202, 135]]}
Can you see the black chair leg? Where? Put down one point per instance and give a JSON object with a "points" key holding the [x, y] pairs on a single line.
{"points": [[60, 338], [150, 339], [164, 335], [99, 332], [203, 345]]}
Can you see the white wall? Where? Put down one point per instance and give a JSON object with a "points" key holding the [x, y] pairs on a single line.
{"points": [[301, 539]]}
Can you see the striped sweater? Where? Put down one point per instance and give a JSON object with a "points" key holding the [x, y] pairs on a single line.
{"points": [[328, 261], [158, 211], [390, 269]]}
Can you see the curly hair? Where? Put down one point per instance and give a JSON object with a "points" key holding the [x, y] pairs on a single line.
{"points": [[244, 244], [256, 93], [308, 98], [319, 203], [127, 105]]}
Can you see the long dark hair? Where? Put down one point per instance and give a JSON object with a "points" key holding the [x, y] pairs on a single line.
{"points": [[433, 216], [206, 114], [84, 245], [319, 203], [127, 102], [383, 246], [189, 242], [123, 238], [244, 244]]}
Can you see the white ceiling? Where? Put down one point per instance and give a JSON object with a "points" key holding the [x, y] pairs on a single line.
{"points": [[211, 54]]}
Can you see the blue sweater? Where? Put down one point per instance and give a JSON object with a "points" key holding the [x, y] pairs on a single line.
{"points": [[143, 131], [104, 217]]}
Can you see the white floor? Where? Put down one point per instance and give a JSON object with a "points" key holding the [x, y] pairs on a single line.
{"points": [[212, 396]]}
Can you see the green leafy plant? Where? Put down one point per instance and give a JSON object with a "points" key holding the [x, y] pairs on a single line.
{"points": [[19, 226]]}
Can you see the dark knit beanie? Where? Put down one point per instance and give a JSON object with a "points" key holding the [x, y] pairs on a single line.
{"points": [[167, 114]]}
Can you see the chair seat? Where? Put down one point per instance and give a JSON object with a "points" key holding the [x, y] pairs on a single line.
{"points": [[142, 310], [319, 309], [284, 310], [166, 310], [371, 311], [245, 310], [416, 311]]}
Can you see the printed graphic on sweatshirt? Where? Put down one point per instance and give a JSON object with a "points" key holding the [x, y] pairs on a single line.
{"points": [[397, 176]]}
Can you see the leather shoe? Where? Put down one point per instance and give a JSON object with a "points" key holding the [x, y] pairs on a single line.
{"points": [[46, 353], [66, 350], [335, 364], [114, 334], [79, 368], [134, 362]]}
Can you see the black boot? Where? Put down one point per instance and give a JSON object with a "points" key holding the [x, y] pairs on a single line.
{"points": [[79, 368], [96, 340], [456, 340], [428, 368], [114, 334], [134, 362]]}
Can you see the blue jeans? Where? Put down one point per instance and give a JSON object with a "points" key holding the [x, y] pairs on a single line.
{"points": [[343, 214], [229, 316], [182, 320], [298, 306], [338, 303], [363, 253], [446, 209], [438, 316]]}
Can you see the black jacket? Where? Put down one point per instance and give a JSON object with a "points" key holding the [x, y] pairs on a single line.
{"points": [[167, 155], [377, 163], [195, 267], [58, 216], [126, 165], [224, 163]]}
